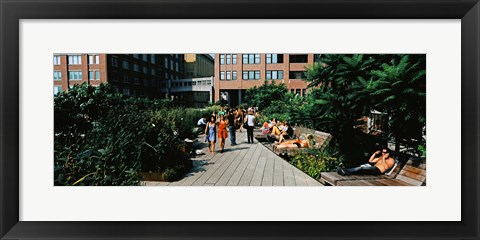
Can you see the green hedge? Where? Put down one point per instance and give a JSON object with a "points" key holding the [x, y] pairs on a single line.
{"points": [[103, 138]]}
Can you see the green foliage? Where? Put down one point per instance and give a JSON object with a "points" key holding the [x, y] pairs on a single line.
{"points": [[423, 150], [314, 161], [213, 108], [262, 96], [111, 144]]}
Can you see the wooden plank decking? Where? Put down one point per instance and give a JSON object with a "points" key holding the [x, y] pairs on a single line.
{"points": [[241, 165]]}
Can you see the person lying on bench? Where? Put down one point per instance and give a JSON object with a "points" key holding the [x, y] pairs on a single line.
{"points": [[308, 142], [378, 164]]}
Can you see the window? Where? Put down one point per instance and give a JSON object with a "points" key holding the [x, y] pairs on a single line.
{"points": [[115, 61], [222, 59], [56, 60], [93, 59], [75, 75], [97, 75], [229, 59], [74, 59], [136, 68], [166, 62], [274, 58], [297, 75], [222, 75], [251, 75], [57, 89], [145, 82], [153, 72], [145, 58], [135, 56], [171, 64], [304, 92], [176, 67], [297, 91], [234, 58], [152, 58], [234, 75], [298, 58], [125, 64], [91, 75], [126, 79], [145, 70], [136, 81], [274, 75], [57, 75], [251, 58], [229, 75], [126, 91]]}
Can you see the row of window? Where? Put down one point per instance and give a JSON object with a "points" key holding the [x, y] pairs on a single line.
{"points": [[76, 59], [146, 57], [299, 91], [76, 75], [255, 58], [255, 75]]}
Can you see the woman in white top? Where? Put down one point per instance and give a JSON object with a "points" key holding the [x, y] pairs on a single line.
{"points": [[250, 120]]}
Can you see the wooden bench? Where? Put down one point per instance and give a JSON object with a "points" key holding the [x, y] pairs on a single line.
{"points": [[412, 173], [322, 139]]}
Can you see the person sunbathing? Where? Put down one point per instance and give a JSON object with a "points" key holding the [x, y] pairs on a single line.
{"points": [[308, 142], [378, 164]]}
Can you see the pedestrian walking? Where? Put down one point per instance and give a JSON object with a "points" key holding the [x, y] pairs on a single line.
{"points": [[232, 127], [250, 120]]}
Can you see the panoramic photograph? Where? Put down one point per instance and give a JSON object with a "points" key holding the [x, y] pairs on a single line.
{"points": [[239, 119]]}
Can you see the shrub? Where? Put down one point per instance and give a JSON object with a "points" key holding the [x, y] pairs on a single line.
{"points": [[314, 161], [111, 144]]}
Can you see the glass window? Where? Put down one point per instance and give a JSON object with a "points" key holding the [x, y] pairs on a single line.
{"points": [[229, 75], [268, 74], [298, 58], [56, 60], [125, 64], [126, 91], [153, 72], [245, 58], [297, 75], [145, 70], [91, 75], [245, 75], [114, 61], [57, 89], [304, 92], [274, 75], [152, 58], [74, 59], [145, 82], [176, 66], [166, 62], [268, 58], [126, 79], [145, 58], [57, 75], [229, 59], [234, 75], [136, 68], [257, 58], [234, 58], [222, 75], [251, 58], [75, 75], [97, 75], [135, 80], [280, 74], [222, 59], [251, 75], [135, 56], [257, 75]]}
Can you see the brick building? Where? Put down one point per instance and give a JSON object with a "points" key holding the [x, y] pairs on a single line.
{"points": [[130, 74], [234, 73]]}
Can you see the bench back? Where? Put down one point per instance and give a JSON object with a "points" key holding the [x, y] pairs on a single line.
{"points": [[413, 173], [322, 139]]}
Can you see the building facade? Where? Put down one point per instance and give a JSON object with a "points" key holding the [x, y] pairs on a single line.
{"points": [[198, 65], [235, 73], [130, 74], [191, 92]]}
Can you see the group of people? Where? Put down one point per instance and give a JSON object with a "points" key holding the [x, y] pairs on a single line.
{"points": [[231, 119], [279, 130]]}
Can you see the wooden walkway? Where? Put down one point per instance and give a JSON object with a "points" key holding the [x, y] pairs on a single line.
{"points": [[241, 165]]}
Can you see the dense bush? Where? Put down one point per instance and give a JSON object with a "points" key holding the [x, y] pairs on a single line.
{"points": [[103, 138], [314, 161]]}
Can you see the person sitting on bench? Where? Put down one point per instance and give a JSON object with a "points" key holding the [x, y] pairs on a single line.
{"points": [[378, 164]]}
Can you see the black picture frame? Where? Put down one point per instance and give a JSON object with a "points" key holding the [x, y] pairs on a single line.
{"points": [[11, 11]]}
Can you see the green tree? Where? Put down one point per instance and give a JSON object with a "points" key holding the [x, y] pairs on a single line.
{"points": [[265, 94]]}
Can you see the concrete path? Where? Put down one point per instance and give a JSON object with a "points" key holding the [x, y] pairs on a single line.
{"points": [[241, 165]]}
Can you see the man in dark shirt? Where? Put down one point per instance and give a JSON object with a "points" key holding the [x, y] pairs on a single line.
{"points": [[231, 127]]}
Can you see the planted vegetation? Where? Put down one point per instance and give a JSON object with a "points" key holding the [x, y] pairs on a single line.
{"points": [[104, 138]]}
